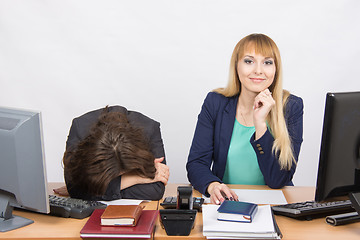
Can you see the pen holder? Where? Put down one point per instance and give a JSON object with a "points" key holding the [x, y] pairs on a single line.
{"points": [[177, 222]]}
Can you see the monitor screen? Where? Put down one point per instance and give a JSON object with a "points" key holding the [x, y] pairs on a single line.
{"points": [[23, 181], [339, 162]]}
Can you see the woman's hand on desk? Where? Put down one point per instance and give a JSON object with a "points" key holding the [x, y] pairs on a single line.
{"points": [[218, 192], [62, 191]]}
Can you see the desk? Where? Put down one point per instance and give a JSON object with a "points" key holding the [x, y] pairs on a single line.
{"points": [[290, 228], [50, 227]]}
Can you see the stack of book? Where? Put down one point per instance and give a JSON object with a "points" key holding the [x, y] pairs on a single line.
{"points": [[120, 221], [261, 226]]}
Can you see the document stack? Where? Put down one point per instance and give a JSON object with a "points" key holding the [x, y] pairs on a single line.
{"points": [[262, 226]]}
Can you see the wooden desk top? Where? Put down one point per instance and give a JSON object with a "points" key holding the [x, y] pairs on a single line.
{"points": [[50, 227], [290, 228]]}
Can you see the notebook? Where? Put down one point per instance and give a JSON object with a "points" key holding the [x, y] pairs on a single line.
{"points": [[237, 211], [143, 229], [121, 215]]}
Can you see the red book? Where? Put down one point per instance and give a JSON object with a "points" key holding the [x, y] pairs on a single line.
{"points": [[143, 229]]}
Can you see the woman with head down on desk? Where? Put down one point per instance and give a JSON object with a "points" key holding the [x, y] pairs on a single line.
{"points": [[249, 132], [113, 153]]}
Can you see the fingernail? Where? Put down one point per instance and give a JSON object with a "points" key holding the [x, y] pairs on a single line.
{"points": [[231, 199], [217, 202]]}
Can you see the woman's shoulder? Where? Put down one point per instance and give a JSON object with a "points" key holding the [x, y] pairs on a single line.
{"points": [[294, 106], [218, 99], [140, 119], [215, 96], [294, 100]]}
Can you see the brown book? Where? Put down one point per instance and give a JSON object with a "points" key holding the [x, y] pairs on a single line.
{"points": [[121, 215]]}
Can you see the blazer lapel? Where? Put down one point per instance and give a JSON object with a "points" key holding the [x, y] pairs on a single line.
{"points": [[227, 126]]}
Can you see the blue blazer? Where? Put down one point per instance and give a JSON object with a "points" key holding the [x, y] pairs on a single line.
{"points": [[209, 149]]}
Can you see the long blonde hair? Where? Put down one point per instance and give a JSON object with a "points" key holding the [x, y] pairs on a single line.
{"points": [[265, 46]]}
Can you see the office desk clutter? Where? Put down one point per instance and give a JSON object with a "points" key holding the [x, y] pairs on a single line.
{"points": [[46, 227], [237, 211], [263, 225], [345, 218], [171, 203], [72, 207], [180, 221], [121, 215], [311, 209], [143, 228], [342, 219]]}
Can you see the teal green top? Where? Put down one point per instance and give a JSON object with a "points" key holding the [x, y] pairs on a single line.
{"points": [[242, 165]]}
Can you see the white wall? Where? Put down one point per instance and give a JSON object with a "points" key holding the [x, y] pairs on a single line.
{"points": [[161, 57]]}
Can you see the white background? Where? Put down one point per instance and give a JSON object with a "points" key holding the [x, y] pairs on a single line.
{"points": [[161, 57]]}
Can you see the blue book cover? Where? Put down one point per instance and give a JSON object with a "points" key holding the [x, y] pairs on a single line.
{"points": [[236, 211]]}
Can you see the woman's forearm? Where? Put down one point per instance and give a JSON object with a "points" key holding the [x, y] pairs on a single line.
{"points": [[131, 179]]}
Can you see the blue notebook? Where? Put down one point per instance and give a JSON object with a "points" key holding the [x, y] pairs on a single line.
{"points": [[236, 211]]}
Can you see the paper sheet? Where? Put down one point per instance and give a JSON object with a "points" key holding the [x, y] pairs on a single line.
{"points": [[275, 197], [123, 202]]}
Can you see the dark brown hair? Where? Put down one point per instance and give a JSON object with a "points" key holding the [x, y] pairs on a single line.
{"points": [[112, 148]]}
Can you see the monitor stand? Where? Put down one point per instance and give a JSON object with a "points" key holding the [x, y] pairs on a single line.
{"points": [[355, 201], [7, 220]]}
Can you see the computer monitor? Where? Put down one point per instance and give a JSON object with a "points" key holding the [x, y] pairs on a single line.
{"points": [[23, 182], [339, 162]]}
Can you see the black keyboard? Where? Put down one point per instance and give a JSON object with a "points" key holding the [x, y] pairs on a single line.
{"points": [[171, 202], [311, 209], [72, 207]]}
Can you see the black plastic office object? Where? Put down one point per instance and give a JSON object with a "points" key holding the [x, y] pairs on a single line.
{"points": [[311, 209], [341, 219], [72, 207], [276, 226], [355, 201], [171, 203], [339, 160], [184, 197], [180, 221]]}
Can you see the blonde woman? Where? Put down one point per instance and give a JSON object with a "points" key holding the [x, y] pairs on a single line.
{"points": [[249, 132]]}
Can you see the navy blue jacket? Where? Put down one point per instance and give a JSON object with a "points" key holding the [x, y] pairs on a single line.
{"points": [[209, 149]]}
